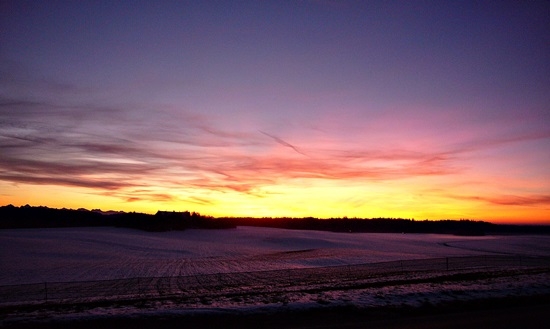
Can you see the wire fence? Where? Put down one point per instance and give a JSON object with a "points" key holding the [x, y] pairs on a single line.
{"points": [[255, 282]]}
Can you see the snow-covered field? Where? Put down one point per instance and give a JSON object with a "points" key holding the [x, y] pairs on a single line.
{"points": [[80, 254], [177, 272]]}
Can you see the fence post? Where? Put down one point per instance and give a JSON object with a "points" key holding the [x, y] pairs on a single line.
{"points": [[46, 291]]}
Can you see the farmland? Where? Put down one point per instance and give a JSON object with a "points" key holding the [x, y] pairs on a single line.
{"points": [[260, 267], [80, 254]]}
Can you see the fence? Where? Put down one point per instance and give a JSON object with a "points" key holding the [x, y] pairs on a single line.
{"points": [[242, 283]]}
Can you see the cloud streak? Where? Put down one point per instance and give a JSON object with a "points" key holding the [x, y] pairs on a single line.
{"points": [[41, 155], [282, 142], [161, 151], [125, 152], [494, 142], [509, 200]]}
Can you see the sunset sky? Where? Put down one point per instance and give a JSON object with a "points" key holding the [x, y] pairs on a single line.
{"points": [[413, 109]]}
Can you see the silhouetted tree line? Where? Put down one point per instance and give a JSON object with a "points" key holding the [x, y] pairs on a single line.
{"points": [[44, 217], [168, 221], [31, 217], [391, 225]]}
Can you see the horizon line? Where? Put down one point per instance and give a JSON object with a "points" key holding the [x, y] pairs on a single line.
{"points": [[495, 222]]}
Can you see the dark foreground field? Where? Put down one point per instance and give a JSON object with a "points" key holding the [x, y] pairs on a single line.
{"points": [[474, 297], [492, 283], [517, 312]]}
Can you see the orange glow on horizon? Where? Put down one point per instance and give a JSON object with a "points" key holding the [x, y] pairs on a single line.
{"points": [[317, 200], [306, 178]]}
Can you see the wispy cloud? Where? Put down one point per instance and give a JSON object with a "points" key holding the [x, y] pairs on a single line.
{"points": [[282, 142], [478, 144], [125, 150], [115, 151], [509, 200], [65, 181]]}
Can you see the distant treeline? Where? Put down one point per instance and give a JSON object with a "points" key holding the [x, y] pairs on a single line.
{"points": [[44, 217], [391, 225]]}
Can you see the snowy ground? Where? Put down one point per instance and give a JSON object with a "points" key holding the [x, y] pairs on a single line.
{"points": [[298, 259], [80, 254]]}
